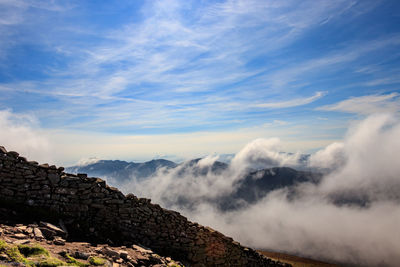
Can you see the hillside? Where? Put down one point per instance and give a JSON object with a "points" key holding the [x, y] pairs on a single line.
{"points": [[91, 211]]}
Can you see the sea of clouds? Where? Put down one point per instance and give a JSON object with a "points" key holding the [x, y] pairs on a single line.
{"points": [[311, 222]]}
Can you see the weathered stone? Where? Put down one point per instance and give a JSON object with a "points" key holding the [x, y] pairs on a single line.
{"points": [[21, 242], [54, 178], [123, 254], [81, 255], [19, 236], [47, 233], [58, 231], [13, 154], [38, 233], [59, 241], [82, 175], [110, 253], [3, 150], [7, 192]]}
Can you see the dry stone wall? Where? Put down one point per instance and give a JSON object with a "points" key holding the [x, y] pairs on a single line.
{"points": [[91, 208]]}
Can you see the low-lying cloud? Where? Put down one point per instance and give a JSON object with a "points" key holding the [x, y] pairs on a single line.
{"points": [[362, 171], [20, 132]]}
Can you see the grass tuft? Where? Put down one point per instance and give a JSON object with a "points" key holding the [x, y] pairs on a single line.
{"points": [[72, 261], [12, 252], [97, 261], [29, 251], [50, 262], [31, 256]]}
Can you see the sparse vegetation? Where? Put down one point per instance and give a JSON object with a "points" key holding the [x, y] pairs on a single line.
{"points": [[29, 251], [97, 261], [35, 255], [50, 262], [12, 252], [72, 261]]}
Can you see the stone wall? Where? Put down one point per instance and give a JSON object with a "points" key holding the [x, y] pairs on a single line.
{"points": [[93, 209]]}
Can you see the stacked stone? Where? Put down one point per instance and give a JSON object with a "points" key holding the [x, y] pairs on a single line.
{"points": [[97, 210]]}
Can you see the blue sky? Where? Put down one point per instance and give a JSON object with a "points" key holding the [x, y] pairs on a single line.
{"points": [[186, 78]]}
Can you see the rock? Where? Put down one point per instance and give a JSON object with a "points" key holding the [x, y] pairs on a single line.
{"points": [[4, 257], [21, 228], [47, 233], [38, 233], [141, 249], [81, 255], [123, 254], [21, 242], [19, 236], [3, 150], [54, 178], [58, 231], [110, 253], [59, 241], [13, 154]]}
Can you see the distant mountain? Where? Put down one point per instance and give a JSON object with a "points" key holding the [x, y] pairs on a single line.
{"points": [[254, 185], [193, 168], [258, 184], [122, 170]]}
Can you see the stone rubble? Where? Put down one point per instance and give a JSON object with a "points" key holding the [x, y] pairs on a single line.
{"points": [[113, 256]]}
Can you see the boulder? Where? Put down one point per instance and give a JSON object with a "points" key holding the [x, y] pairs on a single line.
{"points": [[52, 230]]}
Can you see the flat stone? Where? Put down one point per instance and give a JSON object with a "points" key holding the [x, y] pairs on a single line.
{"points": [[59, 241], [19, 236], [47, 233], [141, 249], [22, 242], [38, 233], [58, 231]]}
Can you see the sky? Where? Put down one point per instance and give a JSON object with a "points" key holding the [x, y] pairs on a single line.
{"points": [[137, 80]]}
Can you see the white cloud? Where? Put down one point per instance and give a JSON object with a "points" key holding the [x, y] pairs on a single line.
{"points": [[263, 153], [331, 157], [309, 222], [20, 132], [292, 103], [366, 104]]}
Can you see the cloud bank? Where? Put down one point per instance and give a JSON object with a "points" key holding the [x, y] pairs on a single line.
{"points": [[20, 132], [350, 216]]}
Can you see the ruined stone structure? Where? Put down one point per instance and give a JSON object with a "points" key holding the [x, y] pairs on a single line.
{"points": [[90, 208]]}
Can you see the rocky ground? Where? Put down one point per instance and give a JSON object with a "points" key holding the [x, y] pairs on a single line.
{"points": [[45, 244]]}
